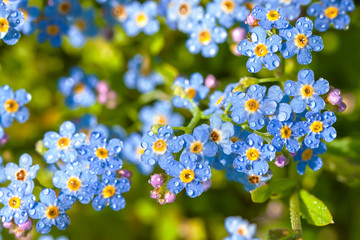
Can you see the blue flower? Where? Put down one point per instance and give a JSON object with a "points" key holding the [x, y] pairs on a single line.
{"points": [[63, 9], [333, 12], [77, 182], [78, 88], [200, 142], [88, 123], [184, 14], [159, 147], [290, 10], [285, 133], [239, 229], [25, 172], [12, 105], [132, 152], [141, 17], [31, 14], [161, 113], [306, 91], [52, 29], [269, 18], [64, 145], [109, 192], [140, 77], [10, 21], [2, 171], [51, 210], [300, 41], [82, 27], [102, 154], [309, 157], [115, 11], [318, 126], [205, 36], [221, 133], [252, 106], [250, 180], [188, 174], [186, 90], [283, 110], [228, 11], [260, 50], [220, 100], [253, 155], [16, 202]]}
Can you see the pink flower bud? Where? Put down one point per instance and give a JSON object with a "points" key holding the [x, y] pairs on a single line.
{"points": [[8, 225], [334, 97], [156, 180], [238, 34], [210, 81], [102, 87], [281, 161], [26, 226], [154, 194], [169, 197], [206, 185], [342, 107], [251, 20], [4, 139]]}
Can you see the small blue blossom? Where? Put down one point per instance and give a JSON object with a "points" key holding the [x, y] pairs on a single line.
{"points": [[260, 50], [220, 100], [64, 9], [140, 77], [253, 155], [318, 126], [25, 172], [101, 153], [31, 14], [141, 18], [300, 41], [228, 12], [205, 36], [12, 106], [115, 11], [16, 202], [160, 113], [132, 152], [309, 157], [283, 110], [77, 182], [239, 229], [290, 10], [269, 18], [159, 147], [51, 210], [186, 90], [306, 91], [88, 123], [250, 180], [64, 145], [252, 106], [78, 88], [109, 192], [331, 12], [184, 14], [285, 133], [221, 133], [11, 22], [188, 174], [200, 142], [52, 29]]}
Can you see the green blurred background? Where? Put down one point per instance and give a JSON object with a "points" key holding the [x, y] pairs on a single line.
{"points": [[37, 67]]}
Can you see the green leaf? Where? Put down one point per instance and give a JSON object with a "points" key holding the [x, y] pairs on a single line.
{"points": [[314, 210], [275, 189], [284, 234], [157, 44]]}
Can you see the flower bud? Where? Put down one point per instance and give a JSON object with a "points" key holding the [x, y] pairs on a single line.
{"points": [[238, 34], [26, 226], [210, 81], [251, 20], [8, 224], [154, 194], [334, 97], [156, 180], [124, 173], [4, 139], [206, 185], [342, 106], [169, 197], [281, 161]]}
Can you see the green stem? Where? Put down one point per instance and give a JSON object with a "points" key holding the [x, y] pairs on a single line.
{"points": [[195, 119], [227, 109], [295, 212], [180, 128]]}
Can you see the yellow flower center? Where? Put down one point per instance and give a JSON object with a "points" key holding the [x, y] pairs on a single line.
{"points": [[261, 50], [160, 119], [141, 19], [14, 202], [139, 151], [63, 142], [215, 136], [184, 9], [4, 25], [64, 7], [205, 37], [159, 146], [219, 101], [307, 154], [78, 88], [254, 179], [119, 12], [21, 175], [273, 15], [285, 132], [108, 191], [52, 212], [191, 92], [252, 105], [196, 147], [227, 6], [81, 24], [52, 30], [301, 41], [102, 153], [187, 175], [74, 184], [11, 106], [316, 126], [331, 12], [252, 154], [307, 91]]}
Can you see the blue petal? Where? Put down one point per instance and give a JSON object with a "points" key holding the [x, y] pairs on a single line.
{"points": [[329, 134], [260, 167], [48, 197], [194, 189], [175, 185], [321, 86]]}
